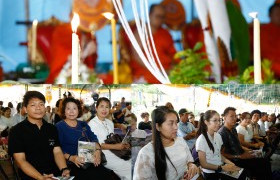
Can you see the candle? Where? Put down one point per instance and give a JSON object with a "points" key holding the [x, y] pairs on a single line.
{"points": [[75, 49], [110, 16], [33, 40], [257, 49]]}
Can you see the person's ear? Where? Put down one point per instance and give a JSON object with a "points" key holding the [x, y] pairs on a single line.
{"points": [[157, 127], [24, 109]]}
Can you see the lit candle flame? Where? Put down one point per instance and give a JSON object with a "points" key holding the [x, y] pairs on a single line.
{"points": [[253, 14], [75, 22], [108, 15], [35, 22]]}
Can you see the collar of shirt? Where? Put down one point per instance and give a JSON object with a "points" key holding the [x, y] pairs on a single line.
{"points": [[28, 123]]}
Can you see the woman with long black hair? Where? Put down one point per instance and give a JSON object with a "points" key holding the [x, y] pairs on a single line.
{"points": [[208, 145], [167, 156]]}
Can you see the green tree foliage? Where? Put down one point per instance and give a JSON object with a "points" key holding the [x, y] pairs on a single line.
{"points": [[191, 68]]}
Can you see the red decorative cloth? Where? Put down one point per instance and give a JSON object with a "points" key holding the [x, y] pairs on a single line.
{"points": [[270, 45]]}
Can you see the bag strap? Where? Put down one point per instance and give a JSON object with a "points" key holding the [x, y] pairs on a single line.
{"points": [[84, 133], [109, 135]]}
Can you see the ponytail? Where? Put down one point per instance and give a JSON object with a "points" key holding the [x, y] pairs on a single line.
{"points": [[203, 127]]}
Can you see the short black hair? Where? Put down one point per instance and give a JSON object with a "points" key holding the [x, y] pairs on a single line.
{"points": [[228, 109], [10, 105], [144, 114], [105, 100], [19, 106], [153, 6], [256, 111], [264, 114], [274, 6], [6, 109], [32, 94], [64, 103]]}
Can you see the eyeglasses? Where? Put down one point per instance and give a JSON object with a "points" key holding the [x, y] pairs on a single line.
{"points": [[216, 121]]}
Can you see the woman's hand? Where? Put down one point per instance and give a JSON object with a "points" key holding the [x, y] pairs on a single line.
{"points": [[230, 168], [66, 173], [247, 155], [97, 157], [122, 146], [46, 177], [78, 161], [261, 144], [192, 171]]}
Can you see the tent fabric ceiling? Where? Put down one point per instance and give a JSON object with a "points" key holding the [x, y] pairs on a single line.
{"points": [[259, 94]]}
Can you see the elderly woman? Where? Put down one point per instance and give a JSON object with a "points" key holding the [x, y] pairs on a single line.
{"points": [[167, 156], [6, 119], [71, 131]]}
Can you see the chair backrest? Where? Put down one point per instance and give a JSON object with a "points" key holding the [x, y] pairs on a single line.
{"points": [[118, 131], [148, 131], [195, 156]]}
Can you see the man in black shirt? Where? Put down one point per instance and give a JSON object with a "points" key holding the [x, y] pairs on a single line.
{"points": [[232, 149], [34, 143], [118, 114]]}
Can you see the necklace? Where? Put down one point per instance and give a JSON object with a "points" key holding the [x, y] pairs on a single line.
{"points": [[105, 125]]}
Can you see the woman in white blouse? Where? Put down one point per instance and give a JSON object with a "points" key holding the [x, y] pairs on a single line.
{"points": [[102, 127], [167, 156], [208, 145], [245, 134], [7, 118]]}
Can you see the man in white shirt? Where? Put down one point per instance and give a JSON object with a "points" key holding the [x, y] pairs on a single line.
{"points": [[277, 119], [261, 123], [13, 110], [271, 118], [20, 115], [127, 113]]}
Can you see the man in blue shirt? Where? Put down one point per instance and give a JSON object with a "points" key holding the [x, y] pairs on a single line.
{"points": [[186, 129]]}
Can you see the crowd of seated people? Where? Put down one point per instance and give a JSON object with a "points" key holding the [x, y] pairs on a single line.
{"points": [[45, 149], [222, 146]]}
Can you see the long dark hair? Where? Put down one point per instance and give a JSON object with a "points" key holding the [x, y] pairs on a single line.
{"points": [[159, 117], [203, 127]]}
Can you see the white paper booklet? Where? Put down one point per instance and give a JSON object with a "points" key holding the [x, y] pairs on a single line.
{"points": [[63, 178], [86, 150], [235, 174]]}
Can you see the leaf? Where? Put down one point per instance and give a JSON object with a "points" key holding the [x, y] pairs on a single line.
{"points": [[197, 46], [191, 69]]}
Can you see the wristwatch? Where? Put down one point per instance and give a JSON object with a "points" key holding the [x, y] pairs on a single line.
{"points": [[219, 169], [235, 156]]}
